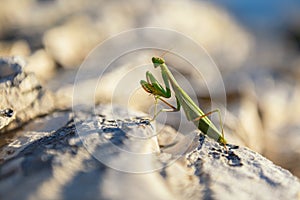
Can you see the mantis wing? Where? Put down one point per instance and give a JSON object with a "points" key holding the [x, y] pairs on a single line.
{"points": [[192, 111]]}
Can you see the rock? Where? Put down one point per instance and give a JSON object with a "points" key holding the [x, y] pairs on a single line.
{"points": [[31, 132], [250, 174], [30, 17], [65, 164], [5, 116], [22, 93], [211, 27], [289, 156], [114, 85], [71, 42], [17, 48], [41, 64], [279, 107]]}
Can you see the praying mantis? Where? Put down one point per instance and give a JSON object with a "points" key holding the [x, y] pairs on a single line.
{"points": [[192, 111]]}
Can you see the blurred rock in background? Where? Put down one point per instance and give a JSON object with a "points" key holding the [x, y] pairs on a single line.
{"points": [[22, 93], [257, 53]]}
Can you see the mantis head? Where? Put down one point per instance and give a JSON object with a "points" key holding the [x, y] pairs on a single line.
{"points": [[157, 61]]}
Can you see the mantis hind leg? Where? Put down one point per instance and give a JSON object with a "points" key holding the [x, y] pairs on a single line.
{"points": [[220, 119]]}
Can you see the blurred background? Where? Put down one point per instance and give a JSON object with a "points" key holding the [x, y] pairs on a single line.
{"points": [[255, 44]]}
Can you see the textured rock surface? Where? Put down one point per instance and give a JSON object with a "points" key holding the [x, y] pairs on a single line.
{"points": [[22, 93], [241, 173], [57, 165]]}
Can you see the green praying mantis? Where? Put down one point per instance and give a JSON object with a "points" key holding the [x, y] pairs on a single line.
{"points": [[192, 111]]}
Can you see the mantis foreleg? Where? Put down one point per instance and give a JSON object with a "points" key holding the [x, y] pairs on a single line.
{"points": [[153, 87], [156, 88]]}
